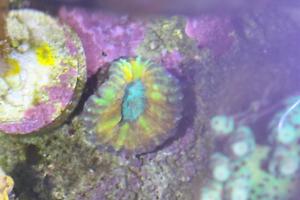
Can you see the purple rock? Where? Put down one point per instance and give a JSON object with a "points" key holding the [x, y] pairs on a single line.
{"points": [[172, 61], [120, 184], [213, 32], [105, 36], [170, 167]]}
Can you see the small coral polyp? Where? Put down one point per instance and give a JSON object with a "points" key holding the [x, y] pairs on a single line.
{"points": [[136, 110], [41, 74]]}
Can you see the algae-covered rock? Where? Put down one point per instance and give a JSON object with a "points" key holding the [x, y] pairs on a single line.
{"points": [[56, 165]]}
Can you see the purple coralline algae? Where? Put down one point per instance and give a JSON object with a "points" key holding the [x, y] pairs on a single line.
{"points": [[105, 36], [172, 60], [212, 32]]}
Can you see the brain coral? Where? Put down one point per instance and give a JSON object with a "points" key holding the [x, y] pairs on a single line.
{"points": [[136, 109]]}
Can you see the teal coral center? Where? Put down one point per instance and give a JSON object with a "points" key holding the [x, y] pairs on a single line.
{"points": [[134, 102]]}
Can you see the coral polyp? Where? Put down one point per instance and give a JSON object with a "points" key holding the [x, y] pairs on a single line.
{"points": [[136, 109]]}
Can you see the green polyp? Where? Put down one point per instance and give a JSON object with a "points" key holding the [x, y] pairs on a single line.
{"points": [[295, 117], [143, 122], [123, 135], [101, 102], [222, 124], [108, 94], [287, 134], [156, 96], [133, 104]]}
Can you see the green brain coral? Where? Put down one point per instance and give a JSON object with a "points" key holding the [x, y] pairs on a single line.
{"points": [[136, 109]]}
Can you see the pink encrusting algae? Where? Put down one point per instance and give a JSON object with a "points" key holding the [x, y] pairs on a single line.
{"points": [[105, 36], [60, 94], [34, 118]]}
